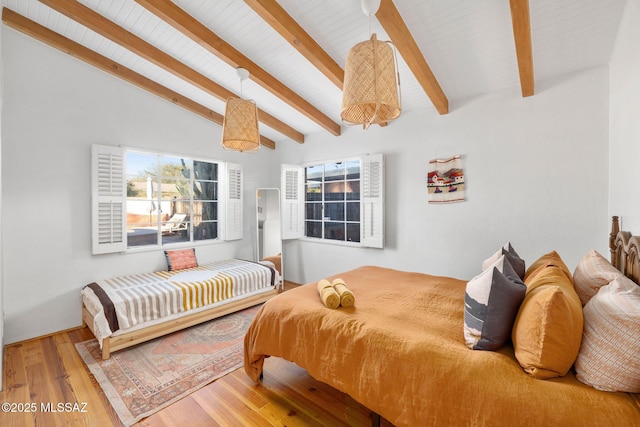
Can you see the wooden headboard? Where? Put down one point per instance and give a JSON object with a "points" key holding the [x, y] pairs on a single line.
{"points": [[624, 251]]}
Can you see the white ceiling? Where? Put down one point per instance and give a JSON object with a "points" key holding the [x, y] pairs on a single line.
{"points": [[468, 44]]}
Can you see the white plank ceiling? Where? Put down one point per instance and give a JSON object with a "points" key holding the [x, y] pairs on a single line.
{"points": [[469, 45]]}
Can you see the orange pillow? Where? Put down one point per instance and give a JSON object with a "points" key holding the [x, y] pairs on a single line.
{"points": [[181, 259], [552, 258], [548, 328]]}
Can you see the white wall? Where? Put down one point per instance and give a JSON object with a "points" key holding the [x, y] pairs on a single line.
{"points": [[536, 175], [55, 107], [624, 132], [1, 269]]}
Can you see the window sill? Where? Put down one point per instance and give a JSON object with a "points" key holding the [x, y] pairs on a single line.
{"points": [[331, 242], [172, 246]]}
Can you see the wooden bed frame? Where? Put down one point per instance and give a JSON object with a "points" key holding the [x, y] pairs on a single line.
{"points": [[138, 336], [625, 249]]}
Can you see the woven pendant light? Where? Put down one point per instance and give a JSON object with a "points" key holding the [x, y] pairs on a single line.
{"points": [[370, 91], [240, 126]]}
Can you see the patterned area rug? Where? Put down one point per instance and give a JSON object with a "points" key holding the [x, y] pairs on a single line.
{"points": [[141, 380]]}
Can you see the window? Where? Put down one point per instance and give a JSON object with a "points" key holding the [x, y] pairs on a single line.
{"points": [[339, 201], [332, 201], [170, 199], [145, 199]]}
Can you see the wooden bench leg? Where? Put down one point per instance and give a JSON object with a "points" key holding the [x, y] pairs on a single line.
{"points": [[106, 349], [375, 420]]}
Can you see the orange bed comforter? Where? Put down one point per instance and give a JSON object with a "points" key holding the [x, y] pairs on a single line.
{"points": [[400, 351]]}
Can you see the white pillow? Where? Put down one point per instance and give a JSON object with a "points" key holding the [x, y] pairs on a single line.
{"points": [[512, 256], [609, 357], [593, 272]]}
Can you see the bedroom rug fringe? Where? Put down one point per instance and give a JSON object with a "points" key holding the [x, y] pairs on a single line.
{"points": [[143, 379]]}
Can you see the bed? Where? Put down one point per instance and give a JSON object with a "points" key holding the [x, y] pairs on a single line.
{"points": [[401, 350], [128, 310]]}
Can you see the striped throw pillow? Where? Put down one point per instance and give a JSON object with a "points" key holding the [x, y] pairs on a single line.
{"points": [[593, 272], [609, 357]]}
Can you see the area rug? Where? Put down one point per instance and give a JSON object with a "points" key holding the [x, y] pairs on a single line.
{"points": [[141, 380]]}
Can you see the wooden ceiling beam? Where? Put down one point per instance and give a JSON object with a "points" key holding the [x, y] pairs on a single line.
{"points": [[101, 25], [396, 28], [53, 39], [520, 18], [287, 27], [198, 32]]}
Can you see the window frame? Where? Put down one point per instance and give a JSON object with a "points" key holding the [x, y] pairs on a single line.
{"points": [[293, 201], [323, 201], [229, 210], [158, 181]]}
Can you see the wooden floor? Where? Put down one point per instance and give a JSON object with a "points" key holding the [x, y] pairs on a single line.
{"points": [[50, 371]]}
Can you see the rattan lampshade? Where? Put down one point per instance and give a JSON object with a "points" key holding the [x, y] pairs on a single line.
{"points": [[370, 90], [240, 125]]}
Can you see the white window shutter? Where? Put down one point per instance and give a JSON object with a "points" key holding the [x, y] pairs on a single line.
{"points": [[107, 199], [292, 194], [234, 218], [372, 201]]}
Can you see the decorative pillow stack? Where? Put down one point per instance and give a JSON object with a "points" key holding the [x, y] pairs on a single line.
{"points": [[179, 260], [593, 272], [548, 329], [491, 303], [609, 357], [514, 259]]}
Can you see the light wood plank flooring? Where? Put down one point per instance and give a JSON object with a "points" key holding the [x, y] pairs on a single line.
{"points": [[49, 370]]}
